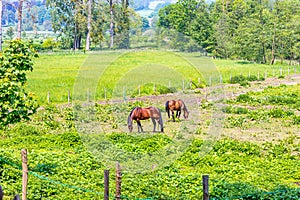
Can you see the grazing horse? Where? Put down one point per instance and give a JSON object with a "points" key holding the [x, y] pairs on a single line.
{"points": [[139, 113], [176, 105]]}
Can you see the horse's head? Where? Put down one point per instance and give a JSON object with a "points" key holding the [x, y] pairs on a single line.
{"points": [[130, 127], [186, 114], [129, 121]]}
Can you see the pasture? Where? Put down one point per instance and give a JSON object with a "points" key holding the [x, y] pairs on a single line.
{"points": [[253, 155], [57, 73]]}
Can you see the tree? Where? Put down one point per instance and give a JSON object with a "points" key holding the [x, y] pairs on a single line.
{"points": [[89, 21], [112, 23], [123, 25], [68, 20], [20, 10], [10, 32], [188, 17], [1, 6], [145, 24], [15, 103]]}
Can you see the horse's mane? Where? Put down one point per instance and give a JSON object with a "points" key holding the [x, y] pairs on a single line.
{"points": [[132, 111], [184, 106], [129, 121]]}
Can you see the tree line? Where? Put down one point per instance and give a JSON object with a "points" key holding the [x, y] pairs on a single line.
{"points": [[255, 30]]}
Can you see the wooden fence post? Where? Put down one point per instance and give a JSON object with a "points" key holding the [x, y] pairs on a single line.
{"points": [[118, 181], [1, 193], [205, 187], [106, 184], [24, 173]]}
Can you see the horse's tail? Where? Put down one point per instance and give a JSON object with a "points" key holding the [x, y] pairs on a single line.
{"points": [[161, 122], [167, 106]]}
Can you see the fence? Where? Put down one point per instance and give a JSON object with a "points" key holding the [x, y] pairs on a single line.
{"points": [[118, 195], [105, 193], [211, 80]]}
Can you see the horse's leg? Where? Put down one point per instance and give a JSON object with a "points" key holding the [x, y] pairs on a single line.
{"points": [[139, 126], [178, 113], [173, 116], [154, 124], [159, 123]]}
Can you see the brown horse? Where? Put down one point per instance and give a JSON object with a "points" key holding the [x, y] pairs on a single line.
{"points": [[176, 105], [139, 113]]}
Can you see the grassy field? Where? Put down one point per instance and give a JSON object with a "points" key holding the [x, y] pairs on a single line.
{"points": [[107, 74], [256, 156], [245, 137]]}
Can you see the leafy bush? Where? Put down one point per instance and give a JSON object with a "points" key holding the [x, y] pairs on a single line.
{"points": [[244, 98], [280, 113], [235, 121], [252, 78], [296, 120], [152, 89], [138, 144], [235, 110], [25, 130]]}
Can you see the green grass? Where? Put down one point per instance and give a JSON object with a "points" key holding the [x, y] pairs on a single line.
{"points": [[61, 167], [113, 74], [230, 68], [55, 74]]}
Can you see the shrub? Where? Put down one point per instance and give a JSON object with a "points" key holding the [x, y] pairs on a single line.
{"points": [[238, 79]]}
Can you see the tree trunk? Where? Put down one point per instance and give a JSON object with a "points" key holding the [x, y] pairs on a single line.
{"points": [[20, 10], [273, 45], [88, 35], [125, 5], [111, 30], [1, 4]]}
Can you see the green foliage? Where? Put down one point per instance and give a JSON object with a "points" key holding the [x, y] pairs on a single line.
{"points": [[238, 79], [235, 110], [60, 167], [287, 96], [189, 18], [10, 33], [49, 43], [280, 113], [234, 121], [152, 89], [243, 80], [15, 103], [244, 98], [138, 144]]}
